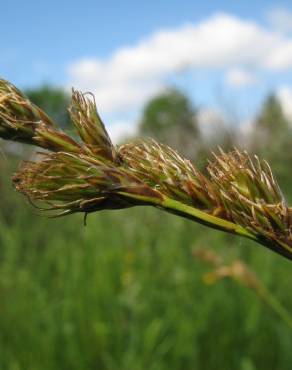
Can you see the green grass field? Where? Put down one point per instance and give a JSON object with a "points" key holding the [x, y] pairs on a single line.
{"points": [[126, 293]]}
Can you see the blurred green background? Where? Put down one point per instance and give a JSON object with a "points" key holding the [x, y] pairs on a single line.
{"points": [[126, 292]]}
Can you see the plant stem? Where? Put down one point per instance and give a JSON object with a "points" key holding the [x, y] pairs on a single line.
{"points": [[275, 305], [205, 218]]}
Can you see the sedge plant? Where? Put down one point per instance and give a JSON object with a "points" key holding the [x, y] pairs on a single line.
{"points": [[239, 194], [239, 272]]}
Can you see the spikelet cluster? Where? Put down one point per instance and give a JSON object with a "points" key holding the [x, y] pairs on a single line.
{"points": [[164, 169], [238, 195], [251, 196]]}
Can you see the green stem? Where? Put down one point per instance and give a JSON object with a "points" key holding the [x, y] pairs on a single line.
{"points": [[192, 213], [184, 210], [275, 305], [205, 218]]}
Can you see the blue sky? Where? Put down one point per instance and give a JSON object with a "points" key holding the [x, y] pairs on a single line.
{"points": [[103, 46]]}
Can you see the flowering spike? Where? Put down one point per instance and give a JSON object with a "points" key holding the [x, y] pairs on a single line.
{"points": [[239, 195], [18, 116], [90, 127]]}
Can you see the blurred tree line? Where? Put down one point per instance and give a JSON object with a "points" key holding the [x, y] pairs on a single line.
{"points": [[171, 118], [272, 137]]}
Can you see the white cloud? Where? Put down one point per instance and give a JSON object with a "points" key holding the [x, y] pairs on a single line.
{"points": [[131, 75], [120, 130], [246, 127], [280, 19], [238, 77], [114, 90], [284, 95], [211, 121]]}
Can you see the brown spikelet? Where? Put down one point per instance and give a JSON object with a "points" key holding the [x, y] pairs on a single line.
{"points": [[163, 168], [236, 269], [90, 127], [18, 116], [251, 196], [73, 182]]}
